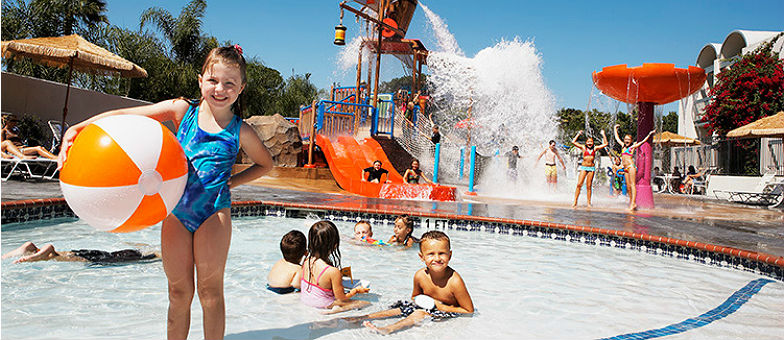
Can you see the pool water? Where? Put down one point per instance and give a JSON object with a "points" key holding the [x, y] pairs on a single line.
{"points": [[522, 288]]}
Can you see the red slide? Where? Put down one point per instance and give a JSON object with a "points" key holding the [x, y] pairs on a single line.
{"points": [[347, 158]]}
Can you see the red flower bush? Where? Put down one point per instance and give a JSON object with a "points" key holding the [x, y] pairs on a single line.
{"points": [[751, 89]]}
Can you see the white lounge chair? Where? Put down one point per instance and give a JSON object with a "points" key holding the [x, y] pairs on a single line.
{"points": [[39, 168], [767, 192]]}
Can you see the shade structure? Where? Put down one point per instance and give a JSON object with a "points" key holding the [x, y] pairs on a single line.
{"points": [[651, 82], [667, 138], [71, 51], [770, 126]]}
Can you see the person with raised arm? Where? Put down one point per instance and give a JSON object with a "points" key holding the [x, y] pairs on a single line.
{"points": [[627, 160], [588, 166]]}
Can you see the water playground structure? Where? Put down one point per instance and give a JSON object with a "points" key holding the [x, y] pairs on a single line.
{"points": [[347, 126], [645, 86]]}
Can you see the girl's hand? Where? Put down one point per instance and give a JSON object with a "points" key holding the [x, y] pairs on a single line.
{"points": [[360, 290], [580, 132], [66, 143]]}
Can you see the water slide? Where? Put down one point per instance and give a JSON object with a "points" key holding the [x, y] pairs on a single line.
{"points": [[347, 158]]}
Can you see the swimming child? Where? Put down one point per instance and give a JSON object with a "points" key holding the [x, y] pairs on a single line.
{"points": [[588, 167], [627, 159], [413, 174], [285, 275], [28, 252], [363, 230], [550, 170], [404, 227], [322, 282], [197, 234], [439, 291]]}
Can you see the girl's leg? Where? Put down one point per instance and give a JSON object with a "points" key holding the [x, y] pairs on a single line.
{"points": [[589, 186], [210, 250], [45, 253], [177, 254], [630, 184], [12, 149], [38, 151], [26, 249], [580, 179]]}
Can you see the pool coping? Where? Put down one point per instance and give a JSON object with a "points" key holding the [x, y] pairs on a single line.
{"points": [[765, 264]]}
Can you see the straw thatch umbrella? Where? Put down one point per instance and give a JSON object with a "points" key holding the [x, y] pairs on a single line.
{"points": [[770, 126], [73, 52], [667, 138]]}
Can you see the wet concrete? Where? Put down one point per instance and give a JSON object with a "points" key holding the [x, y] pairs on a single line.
{"points": [[700, 220]]}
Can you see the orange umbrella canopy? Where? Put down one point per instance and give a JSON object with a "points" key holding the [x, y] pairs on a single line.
{"points": [[653, 83]]}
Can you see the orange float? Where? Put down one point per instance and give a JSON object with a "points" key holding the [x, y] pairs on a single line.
{"points": [[124, 173]]}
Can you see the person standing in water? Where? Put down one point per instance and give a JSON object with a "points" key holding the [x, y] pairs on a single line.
{"points": [[588, 167], [627, 159], [550, 170]]}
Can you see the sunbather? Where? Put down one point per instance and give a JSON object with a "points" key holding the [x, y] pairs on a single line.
{"points": [[12, 142]]}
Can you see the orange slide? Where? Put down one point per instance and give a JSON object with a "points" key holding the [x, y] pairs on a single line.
{"points": [[347, 158]]}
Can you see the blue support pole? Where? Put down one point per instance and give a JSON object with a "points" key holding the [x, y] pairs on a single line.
{"points": [[435, 162], [472, 169], [462, 161]]}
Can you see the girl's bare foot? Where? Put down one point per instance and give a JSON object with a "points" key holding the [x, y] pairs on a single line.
{"points": [[373, 327]]}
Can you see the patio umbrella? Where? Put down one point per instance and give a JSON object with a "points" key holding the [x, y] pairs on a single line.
{"points": [[770, 126], [667, 138], [73, 52]]}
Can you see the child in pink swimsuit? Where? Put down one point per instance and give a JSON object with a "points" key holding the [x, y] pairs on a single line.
{"points": [[325, 289]]}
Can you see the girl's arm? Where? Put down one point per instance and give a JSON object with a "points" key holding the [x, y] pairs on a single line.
{"points": [[574, 140], [166, 110], [604, 142], [337, 286], [405, 176], [615, 131], [258, 153], [637, 145], [425, 178]]}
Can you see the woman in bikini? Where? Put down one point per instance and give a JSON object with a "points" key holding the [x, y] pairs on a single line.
{"points": [[587, 168], [627, 160]]}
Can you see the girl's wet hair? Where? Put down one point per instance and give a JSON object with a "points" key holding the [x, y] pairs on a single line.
{"points": [[406, 220], [228, 55], [324, 243]]}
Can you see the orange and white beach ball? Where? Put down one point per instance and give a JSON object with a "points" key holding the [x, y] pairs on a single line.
{"points": [[124, 173]]}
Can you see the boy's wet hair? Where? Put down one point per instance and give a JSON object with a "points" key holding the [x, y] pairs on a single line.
{"points": [[293, 245], [363, 222], [407, 220], [435, 235], [231, 56], [324, 242]]}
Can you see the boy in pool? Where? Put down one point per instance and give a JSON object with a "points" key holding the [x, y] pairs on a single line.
{"points": [[285, 275], [404, 227], [437, 282], [363, 230], [28, 252]]}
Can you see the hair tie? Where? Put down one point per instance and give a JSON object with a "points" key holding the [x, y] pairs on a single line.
{"points": [[238, 48]]}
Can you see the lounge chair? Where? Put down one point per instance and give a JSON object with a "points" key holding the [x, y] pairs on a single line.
{"points": [[57, 131], [39, 168], [767, 192]]}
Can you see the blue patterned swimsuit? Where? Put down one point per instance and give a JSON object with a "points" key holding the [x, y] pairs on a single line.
{"points": [[210, 158]]}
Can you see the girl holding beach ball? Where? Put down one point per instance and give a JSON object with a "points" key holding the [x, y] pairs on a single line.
{"points": [[197, 233]]}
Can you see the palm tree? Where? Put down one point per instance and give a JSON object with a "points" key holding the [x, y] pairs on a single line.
{"points": [[183, 33]]}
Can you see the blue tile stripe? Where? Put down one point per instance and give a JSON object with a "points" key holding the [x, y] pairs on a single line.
{"points": [[731, 305]]}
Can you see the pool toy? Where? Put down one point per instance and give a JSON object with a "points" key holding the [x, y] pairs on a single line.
{"points": [[124, 173], [374, 241], [646, 86]]}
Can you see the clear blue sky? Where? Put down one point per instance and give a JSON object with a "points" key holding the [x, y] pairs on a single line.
{"points": [[574, 38]]}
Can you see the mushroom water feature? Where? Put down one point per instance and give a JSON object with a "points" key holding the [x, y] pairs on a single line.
{"points": [[646, 86]]}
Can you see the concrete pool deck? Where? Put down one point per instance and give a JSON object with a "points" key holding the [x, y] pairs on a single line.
{"points": [[730, 225]]}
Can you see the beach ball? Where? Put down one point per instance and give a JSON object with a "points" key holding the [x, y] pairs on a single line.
{"points": [[124, 173]]}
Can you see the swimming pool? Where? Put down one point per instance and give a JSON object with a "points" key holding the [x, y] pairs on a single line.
{"points": [[529, 287]]}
